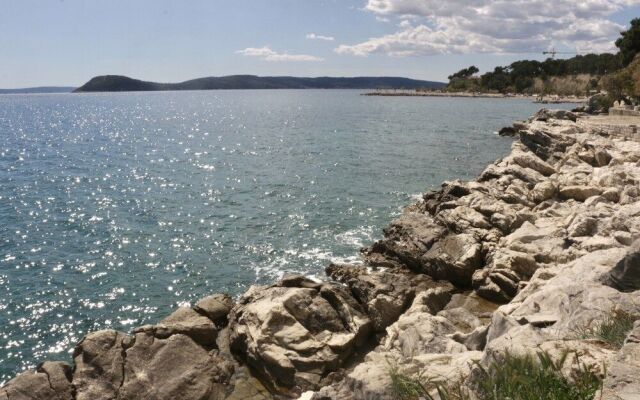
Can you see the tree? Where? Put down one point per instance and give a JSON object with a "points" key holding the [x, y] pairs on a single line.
{"points": [[464, 73], [629, 42]]}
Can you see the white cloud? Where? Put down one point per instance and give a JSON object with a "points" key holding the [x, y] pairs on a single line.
{"points": [[267, 54], [492, 26], [313, 36]]}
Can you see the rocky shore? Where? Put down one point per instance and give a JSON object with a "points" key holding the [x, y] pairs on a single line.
{"points": [[544, 244], [547, 99]]}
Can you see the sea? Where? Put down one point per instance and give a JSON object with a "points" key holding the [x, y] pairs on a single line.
{"points": [[116, 208]]}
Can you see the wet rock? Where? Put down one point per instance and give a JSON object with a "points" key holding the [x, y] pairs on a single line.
{"points": [[508, 131], [50, 381], [294, 336]]}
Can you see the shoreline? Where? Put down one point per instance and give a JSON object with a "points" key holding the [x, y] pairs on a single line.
{"points": [[551, 99], [513, 260]]}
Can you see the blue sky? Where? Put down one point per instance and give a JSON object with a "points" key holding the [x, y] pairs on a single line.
{"points": [[66, 42]]}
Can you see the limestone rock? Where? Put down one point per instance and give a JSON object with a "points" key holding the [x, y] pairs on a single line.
{"points": [[99, 360], [625, 276], [173, 368], [216, 307], [406, 240], [184, 321], [384, 294], [294, 336], [542, 191], [50, 381], [546, 114], [579, 193], [454, 258], [622, 381]]}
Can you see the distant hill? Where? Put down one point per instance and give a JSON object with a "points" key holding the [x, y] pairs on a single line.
{"points": [[116, 83], [41, 89]]}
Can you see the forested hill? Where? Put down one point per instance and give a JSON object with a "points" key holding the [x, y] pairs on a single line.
{"points": [[116, 83]]}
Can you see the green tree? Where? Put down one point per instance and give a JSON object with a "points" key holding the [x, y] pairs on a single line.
{"points": [[464, 73], [629, 42]]}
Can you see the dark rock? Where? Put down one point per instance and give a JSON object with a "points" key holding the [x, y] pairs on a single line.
{"points": [[454, 258], [508, 131], [625, 276], [546, 114], [384, 294], [406, 240]]}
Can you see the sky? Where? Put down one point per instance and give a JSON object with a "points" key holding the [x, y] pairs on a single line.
{"points": [[67, 42]]}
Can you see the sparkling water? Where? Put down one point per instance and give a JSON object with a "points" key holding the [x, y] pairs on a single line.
{"points": [[116, 208]]}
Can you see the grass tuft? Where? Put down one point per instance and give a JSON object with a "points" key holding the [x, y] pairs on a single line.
{"points": [[612, 329], [535, 378], [512, 377]]}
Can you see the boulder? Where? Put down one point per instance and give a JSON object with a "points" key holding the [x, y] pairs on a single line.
{"points": [[625, 276], [385, 294], [417, 345], [295, 336], [508, 131], [173, 368], [454, 258], [406, 240], [49, 381], [602, 157], [99, 360], [184, 321], [215, 307], [546, 114], [110, 365], [542, 191], [579, 193]]}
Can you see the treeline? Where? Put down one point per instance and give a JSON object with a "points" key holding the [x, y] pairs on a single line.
{"points": [[520, 76], [530, 76]]}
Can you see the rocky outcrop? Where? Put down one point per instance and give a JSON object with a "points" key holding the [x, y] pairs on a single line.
{"points": [[297, 331], [543, 244], [384, 294], [50, 380]]}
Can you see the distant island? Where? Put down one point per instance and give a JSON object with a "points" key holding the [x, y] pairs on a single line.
{"points": [[40, 89], [117, 83]]}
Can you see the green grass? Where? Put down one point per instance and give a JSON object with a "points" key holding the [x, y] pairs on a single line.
{"points": [[535, 378], [509, 378], [612, 329]]}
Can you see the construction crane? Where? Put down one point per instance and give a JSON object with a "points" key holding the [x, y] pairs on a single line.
{"points": [[553, 52]]}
